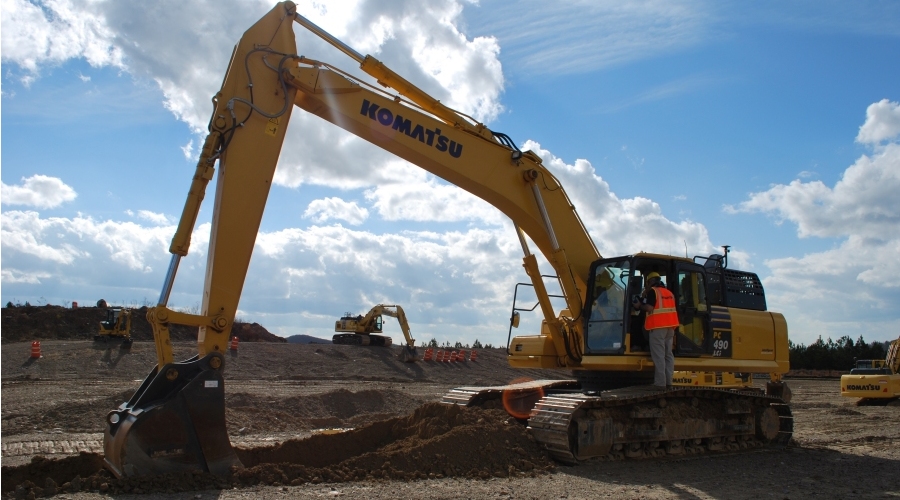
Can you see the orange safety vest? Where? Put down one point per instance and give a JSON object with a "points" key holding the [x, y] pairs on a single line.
{"points": [[664, 314]]}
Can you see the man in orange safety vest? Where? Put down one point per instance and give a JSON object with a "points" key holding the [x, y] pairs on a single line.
{"points": [[661, 320]]}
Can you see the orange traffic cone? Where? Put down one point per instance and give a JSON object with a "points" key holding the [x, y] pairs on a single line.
{"points": [[429, 353], [36, 350], [234, 343], [473, 356]]}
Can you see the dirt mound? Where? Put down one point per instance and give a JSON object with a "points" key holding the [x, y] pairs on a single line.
{"points": [[49, 322], [435, 441], [251, 413]]}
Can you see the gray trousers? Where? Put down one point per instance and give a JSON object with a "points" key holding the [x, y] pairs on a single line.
{"points": [[661, 354]]}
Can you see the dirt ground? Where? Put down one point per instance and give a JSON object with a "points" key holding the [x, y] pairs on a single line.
{"points": [[280, 396]]}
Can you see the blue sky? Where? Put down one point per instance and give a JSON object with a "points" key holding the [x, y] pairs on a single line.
{"points": [[770, 128]]}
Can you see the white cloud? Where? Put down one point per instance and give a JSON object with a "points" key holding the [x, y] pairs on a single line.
{"points": [[335, 208], [32, 39], [155, 218], [567, 37], [622, 226], [460, 283], [863, 203], [63, 240], [577, 36], [188, 150], [849, 289], [12, 276], [39, 191], [81, 258], [420, 41], [430, 199], [882, 122]]}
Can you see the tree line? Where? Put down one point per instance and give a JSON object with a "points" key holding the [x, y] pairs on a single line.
{"points": [[458, 345], [834, 355]]}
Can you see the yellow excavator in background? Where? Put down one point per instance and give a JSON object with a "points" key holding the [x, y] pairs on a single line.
{"points": [[363, 330], [875, 381], [175, 421], [116, 326]]}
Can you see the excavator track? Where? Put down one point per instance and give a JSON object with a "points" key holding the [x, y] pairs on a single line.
{"points": [[637, 422]]}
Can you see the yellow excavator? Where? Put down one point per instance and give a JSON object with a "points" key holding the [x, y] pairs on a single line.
{"points": [[363, 330], [116, 326], [875, 381], [175, 421]]}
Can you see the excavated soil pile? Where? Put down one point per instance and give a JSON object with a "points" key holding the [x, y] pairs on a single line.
{"points": [[49, 322], [246, 414], [253, 414], [435, 441]]}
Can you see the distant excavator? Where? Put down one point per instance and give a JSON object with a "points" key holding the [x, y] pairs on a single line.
{"points": [[116, 326], [875, 381], [363, 330]]}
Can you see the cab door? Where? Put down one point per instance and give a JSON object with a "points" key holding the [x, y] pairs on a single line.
{"points": [[692, 336]]}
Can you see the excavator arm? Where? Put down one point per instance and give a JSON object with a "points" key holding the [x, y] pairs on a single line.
{"points": [[176, 419], [408, 353], [397, 312]]}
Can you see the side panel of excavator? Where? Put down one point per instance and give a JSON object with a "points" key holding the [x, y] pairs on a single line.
{"points": [[884, 386]]}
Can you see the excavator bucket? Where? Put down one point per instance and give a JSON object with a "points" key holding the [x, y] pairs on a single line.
{"points": [[174, 422], [409, 354]]}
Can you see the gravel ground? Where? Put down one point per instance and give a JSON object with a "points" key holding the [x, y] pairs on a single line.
{"points": [[54, 407]]}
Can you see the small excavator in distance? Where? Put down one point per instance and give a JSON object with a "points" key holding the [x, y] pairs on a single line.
{"points": [[363, 330], [875, 381], [116, 326], [175, 421]]}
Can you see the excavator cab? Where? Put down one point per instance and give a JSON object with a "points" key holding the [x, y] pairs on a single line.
{"points": [[614, 327]]}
